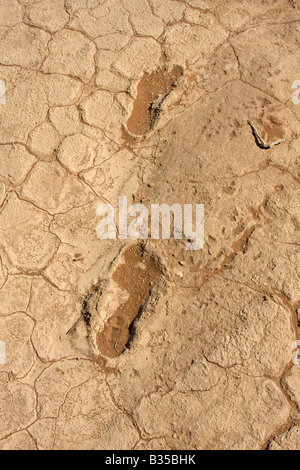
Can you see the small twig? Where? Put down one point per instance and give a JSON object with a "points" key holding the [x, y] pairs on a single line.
{"points": [[117, 340], [78, 258], [260, 141], [74, 326]]}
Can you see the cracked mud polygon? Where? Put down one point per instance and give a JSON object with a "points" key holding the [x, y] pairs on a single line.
{"points": [[123, 344]]}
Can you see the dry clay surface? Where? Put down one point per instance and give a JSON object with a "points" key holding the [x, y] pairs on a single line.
{"points": [[162, 101]]}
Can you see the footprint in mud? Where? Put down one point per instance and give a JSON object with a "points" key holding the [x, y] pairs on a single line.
{"points": [[136, 276], [152, 91]]}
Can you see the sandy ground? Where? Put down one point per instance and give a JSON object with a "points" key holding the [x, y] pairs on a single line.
{"points": [[123, 344]]}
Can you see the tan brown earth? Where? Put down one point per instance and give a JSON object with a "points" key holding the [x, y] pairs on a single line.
{"points": [[126, 345]]}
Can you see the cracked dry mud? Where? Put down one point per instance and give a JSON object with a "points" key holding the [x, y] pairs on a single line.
{"points": [[119, 344]]}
